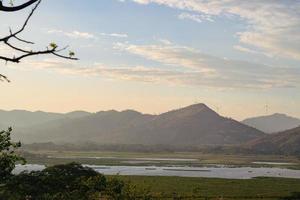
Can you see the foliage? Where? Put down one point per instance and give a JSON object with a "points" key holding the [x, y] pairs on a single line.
{"points": [[71, 181], [68, 182], [8, 156], [213, 188]]}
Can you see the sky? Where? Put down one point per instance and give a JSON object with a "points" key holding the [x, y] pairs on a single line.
{"points": [[157, 55]]}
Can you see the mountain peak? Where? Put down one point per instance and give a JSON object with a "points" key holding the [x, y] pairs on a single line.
{"points": [[196, 108], [192, 110], [274, 123]]}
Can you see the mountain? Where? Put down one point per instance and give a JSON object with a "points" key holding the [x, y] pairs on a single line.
{"points": [[22, 118], [99, 127], [286, 142], [76, 114], [273, 123], [192, 125]]}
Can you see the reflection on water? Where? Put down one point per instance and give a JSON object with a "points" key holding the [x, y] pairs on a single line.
{"points": [[210, 172]]}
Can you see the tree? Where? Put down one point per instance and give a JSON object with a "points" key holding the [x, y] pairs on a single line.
{"points": [[69, 182], [8, 156], [62, 182], [51, 49]]}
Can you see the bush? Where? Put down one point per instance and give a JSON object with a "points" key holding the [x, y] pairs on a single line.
{"points": [[68, 182], [62, 182]]}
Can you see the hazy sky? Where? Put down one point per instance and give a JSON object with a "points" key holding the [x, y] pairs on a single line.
{"points": [[155, 55]]}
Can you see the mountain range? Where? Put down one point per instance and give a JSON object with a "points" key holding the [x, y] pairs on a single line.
{"points": [[23, 118], [286, 142], [193, 125], [273, 123]]}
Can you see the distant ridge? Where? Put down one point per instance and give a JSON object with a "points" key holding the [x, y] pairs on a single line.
{"points": [[192, 125], [286, 142], [273, 123], [23, 118]]}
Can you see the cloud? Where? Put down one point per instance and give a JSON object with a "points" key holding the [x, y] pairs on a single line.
{"points": [[168, 54], [248, 50], [85, 35], [195, 17], [213, 70], [74, 34], [179, 65], [272, 26], [118, 35]]}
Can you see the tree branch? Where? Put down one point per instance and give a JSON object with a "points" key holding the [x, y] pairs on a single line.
{"points": [[2, 77], [28, 53], [16, 8]]}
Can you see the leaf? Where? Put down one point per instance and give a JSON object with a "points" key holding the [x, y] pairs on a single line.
{"points": [[71, 53], [53, 45]]}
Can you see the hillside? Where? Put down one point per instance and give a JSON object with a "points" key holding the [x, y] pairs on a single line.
{"points": [[273, 123], [287, 142], [192, 125], [23, 118]]}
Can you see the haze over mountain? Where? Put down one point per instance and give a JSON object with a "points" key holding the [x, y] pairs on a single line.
{"points": [[273, 123], [192, 125], [23, 118], [286, 142]]}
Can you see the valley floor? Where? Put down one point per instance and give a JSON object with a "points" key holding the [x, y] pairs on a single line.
{"points": [[161, 187], [161, 159], [209, 188]]}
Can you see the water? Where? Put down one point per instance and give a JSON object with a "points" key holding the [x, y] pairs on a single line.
{"points": [[124, 158], [209, 172], [273, 163]]}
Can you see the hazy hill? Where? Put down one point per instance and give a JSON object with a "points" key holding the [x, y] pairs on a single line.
{"points": [[99, 127], [273, 123], [286, 142], [192, 125], [22, 118]]}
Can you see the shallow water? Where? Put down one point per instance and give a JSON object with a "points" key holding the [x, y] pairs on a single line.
{"points": [[209, 172], [129, 158], [273, 163]]}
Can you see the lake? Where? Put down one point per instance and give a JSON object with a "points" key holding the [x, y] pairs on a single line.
{"points": [[208, 172]]}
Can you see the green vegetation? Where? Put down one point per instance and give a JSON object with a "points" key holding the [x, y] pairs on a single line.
{"points": [[8, 157], [67, 182], [72, 181], [208, 188]]}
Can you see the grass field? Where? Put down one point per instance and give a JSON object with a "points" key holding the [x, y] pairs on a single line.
{"points": [[207, 188]]}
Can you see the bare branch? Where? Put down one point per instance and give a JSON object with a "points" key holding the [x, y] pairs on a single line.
{"points": [[2, 77], [28, 53], [24, 25], [16, 8]]}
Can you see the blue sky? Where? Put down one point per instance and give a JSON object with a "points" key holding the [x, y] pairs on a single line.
{"points": [[155, 55]]}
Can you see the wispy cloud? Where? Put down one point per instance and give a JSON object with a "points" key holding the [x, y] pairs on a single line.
{"points": [[73, 34], [118, 35], [195, 17], [215, 70], [86, 35], [272, 26], [186, 66], [168, 54], [248, 50]]}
